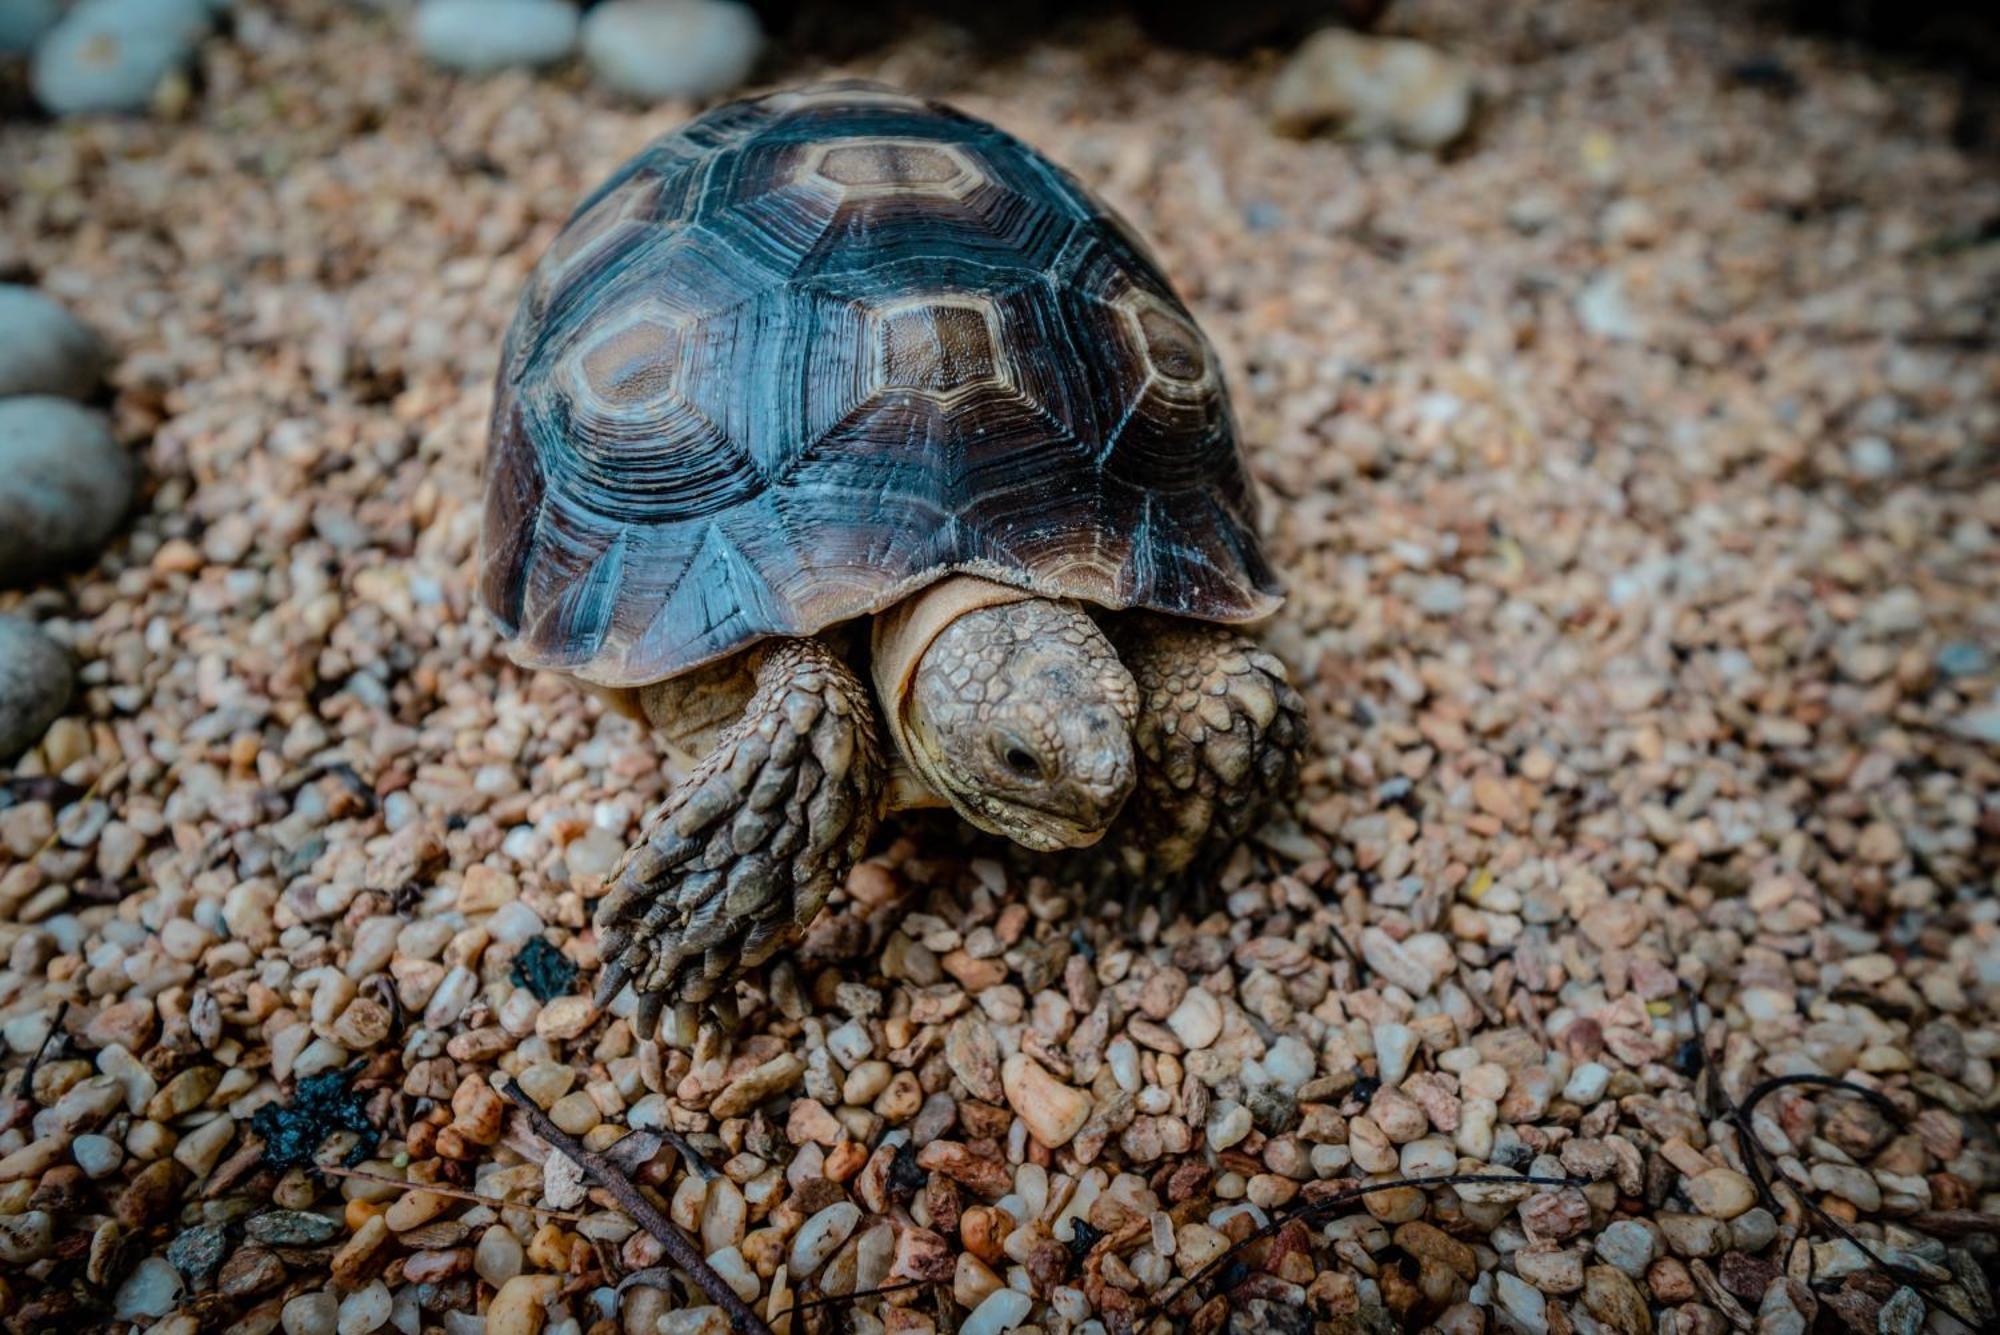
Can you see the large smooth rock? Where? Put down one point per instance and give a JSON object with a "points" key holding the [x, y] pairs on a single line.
{"points": [[35, 681], [110, 55], [672, 48], [64, 485], [1365, 87], [481, 36], [22, 23], [43, 348]]}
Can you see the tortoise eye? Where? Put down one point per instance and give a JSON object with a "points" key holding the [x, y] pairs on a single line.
{"points": [[1016, 756]]}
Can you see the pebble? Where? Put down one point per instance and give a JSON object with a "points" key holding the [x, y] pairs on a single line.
{"points": [[1431, 1156], [291, 1228], [151, 1290], [1197, 1021], [517, 1309], [35, 683], [498, 1257], [1053, 1111], [196, 1252], [1228, 1123], [366, 1309], [1394, 962], [43, 348], [315, 1313], [1903, 1314], [64, 485], [1002, 1310], [1395, 1044], [22, 23], [1587, 1083], [1603, 309], [1551, 1271], [1626, 1244], [819, 1236], [1364, 87], [1523, 1302], [482, 36], [1721, 1193], [1610, 1295], [98, 1156], [112, 55], [654, 49]]}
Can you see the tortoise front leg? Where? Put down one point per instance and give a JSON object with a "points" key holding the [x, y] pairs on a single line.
{"points": [[744, 851], [1219, 737]]}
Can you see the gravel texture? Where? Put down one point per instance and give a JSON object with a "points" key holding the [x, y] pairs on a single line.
{"points": [[1633, 467]]}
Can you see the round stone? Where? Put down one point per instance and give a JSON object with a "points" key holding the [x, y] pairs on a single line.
{"points": [[43, 348], [1721, 1193], [64, 485], [22, 23], [110, 55], [35, 681], [481, 36], [672, 48]]}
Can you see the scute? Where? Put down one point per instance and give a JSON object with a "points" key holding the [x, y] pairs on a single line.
{"points": [[816, 350]]}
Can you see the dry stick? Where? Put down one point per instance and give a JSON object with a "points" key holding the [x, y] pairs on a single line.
{"points": [[55, 1027], [1334, 1202], [1758, 1160], [456, 1193], [1954, 1223], [678, 1245]]}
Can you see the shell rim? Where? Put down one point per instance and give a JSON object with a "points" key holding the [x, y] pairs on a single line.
{"points": [[1264, 603]]}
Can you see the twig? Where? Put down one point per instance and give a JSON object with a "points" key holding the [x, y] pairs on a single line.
{"points": [[1954, 1223], [55, 1027], [456, 1193], [842, 1299], [678, 1245], [697, 1163], [1758, 1161], [1327, 1205]]}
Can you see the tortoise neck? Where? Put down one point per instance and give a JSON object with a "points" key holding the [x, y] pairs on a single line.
{"points": [[901, 636]]}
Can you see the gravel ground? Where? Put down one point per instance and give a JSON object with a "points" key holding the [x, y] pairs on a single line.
{"points": [[1634, 468]]}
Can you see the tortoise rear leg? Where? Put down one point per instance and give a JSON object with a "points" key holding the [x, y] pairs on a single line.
{"points": [[745, 850], [1219, 737]]}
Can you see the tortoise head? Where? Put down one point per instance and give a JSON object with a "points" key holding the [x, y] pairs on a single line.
{"points": [[1020, 715]]}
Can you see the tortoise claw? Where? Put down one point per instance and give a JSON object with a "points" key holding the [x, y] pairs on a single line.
{"points": [[1219, 736], [741, 855]]}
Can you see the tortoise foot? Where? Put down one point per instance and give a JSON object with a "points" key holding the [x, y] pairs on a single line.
{"points": [[1219, 736], [744, 852]]}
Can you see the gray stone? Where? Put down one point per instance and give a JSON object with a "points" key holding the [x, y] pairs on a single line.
{"points": [[672, 48], [1628, 1245], [197, 1252], [43, 348], [1903, 1314], [64, 485], [481, 36], [110, 55], [1961, 658], [291, 1228], [36, 677], [22, 23]]}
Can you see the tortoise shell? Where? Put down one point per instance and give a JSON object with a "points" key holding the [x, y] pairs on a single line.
{"points": [[818, 349]]}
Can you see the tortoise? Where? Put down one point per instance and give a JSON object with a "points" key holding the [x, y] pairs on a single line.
{"points": [[863, 453]]}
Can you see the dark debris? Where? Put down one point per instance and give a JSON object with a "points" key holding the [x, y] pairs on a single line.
{"points": [[544, 970], [321, 1105]]}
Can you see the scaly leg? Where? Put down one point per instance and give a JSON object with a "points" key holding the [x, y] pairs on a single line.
{"points": [[1219, 736], [744, 851]]}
